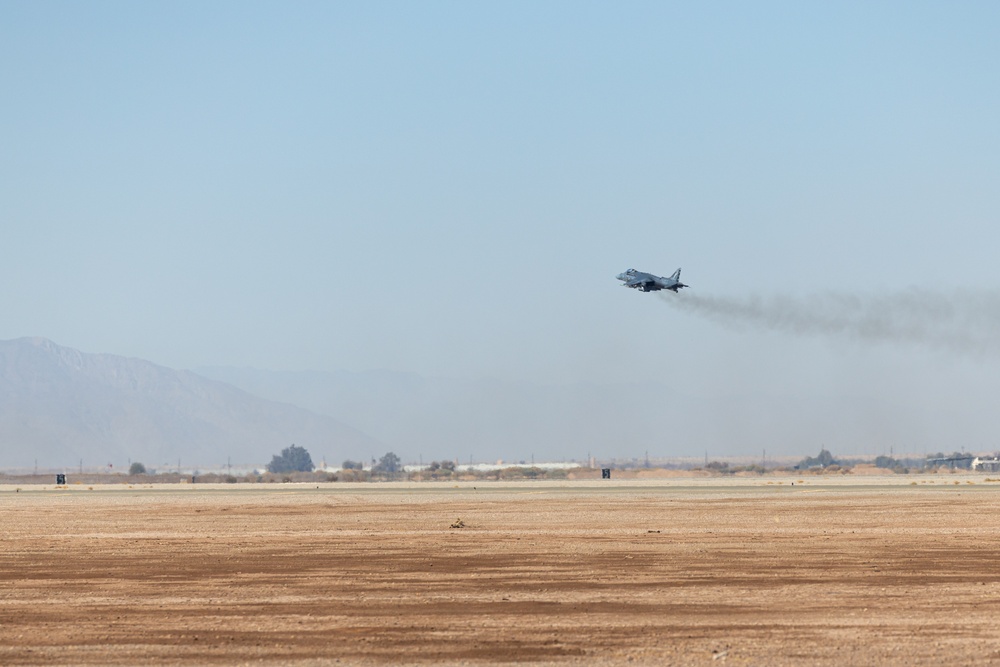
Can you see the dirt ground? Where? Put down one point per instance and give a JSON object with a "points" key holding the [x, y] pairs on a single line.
{"points": [[823, 572]]}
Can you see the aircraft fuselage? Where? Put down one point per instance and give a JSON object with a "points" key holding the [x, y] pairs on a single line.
{"points": [[647, 282]]}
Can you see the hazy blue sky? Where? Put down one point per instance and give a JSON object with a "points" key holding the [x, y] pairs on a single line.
{"points": [[450, 188]]}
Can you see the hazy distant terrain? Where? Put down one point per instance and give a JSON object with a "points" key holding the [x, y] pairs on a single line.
{"points": [[490, 419], [59, 405]]}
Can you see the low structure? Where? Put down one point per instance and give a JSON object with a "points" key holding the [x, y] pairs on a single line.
{"points": [[986, 465]]}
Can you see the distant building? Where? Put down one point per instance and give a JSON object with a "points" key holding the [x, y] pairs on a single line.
{"points": [[964, 462], [986, 465]]}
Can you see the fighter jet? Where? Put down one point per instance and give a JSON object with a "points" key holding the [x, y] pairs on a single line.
{"points": [[647, 282]]}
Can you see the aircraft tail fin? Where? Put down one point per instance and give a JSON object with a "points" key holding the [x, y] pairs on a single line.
{"points": [[677, 275]]}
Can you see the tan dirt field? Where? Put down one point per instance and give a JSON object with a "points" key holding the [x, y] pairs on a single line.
{"points": [[896, 570]]}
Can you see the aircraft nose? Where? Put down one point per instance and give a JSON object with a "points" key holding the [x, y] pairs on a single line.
{"points": [[620, 276]]}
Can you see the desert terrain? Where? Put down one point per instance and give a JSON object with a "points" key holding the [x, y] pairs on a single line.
{"points": [[781, 571]]}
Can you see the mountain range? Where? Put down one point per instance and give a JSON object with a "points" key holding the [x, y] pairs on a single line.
{"points": [[60, 407]]}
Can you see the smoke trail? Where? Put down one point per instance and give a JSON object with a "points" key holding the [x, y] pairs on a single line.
{"points": [[963, 321]]}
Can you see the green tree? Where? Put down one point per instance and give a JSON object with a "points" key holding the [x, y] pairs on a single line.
{"points": [[137, 469], [885, 462], [291, 459], [389, 463], [823, 460]]}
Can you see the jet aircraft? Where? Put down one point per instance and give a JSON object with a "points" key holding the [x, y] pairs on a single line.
{"points": [[647, 282]]}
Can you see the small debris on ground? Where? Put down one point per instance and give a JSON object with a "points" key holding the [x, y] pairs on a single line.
{"points": [[458, 524]]}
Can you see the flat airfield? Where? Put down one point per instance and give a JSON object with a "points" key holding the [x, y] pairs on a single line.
{"points": [[818, 570]]}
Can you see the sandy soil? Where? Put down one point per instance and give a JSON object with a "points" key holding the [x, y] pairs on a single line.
{"points": [[825, 572]]}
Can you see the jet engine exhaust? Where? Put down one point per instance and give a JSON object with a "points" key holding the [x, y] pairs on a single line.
{"points": [[962, 321]]}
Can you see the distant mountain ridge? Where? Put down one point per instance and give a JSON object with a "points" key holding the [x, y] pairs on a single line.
{"points": [[59, 406]]}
